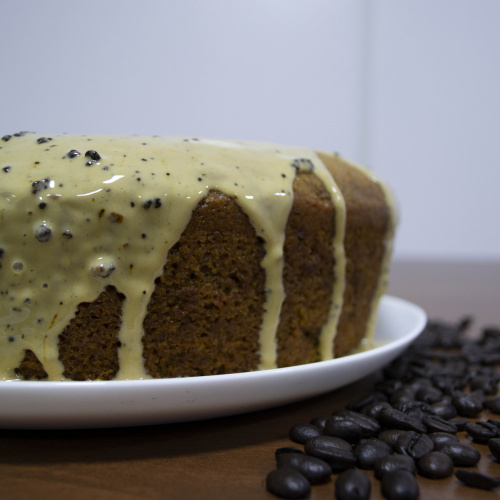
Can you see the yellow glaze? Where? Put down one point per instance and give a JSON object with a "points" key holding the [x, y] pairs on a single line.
{"points": [[79, 213]]}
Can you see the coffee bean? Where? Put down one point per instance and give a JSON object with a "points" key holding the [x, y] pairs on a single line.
{"points": [[487, 384], [369, 450], [402, 395], [429, 394], [399, 485], [414, 445], [458, 422], [393, 462], [300, 433], [388, 387], [462, 454], [494, 446], [412, 408], [442, 438], [319, 422], [343, 427], [369, 426], [391, 436], [467, 405], [374, 409], [352, 484], [368, 399], [313, 469], [333, 450], [444, 410], [438, 424], [435, 465], [391, 418], [493, 405], [481, 432], [287, 449], [288, 483], [477, 480], [494, 422]]}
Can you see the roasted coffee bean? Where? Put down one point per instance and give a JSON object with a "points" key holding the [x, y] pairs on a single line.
{"points": [[374, 409], [429, 394], [300, 433], [388, 387], [420, 383], [493, 405], [390, 436], [403, 395], [288, 483], [393, 462], [333, 450], [458, 422], [435, 465], [369, 450], [481, 432], [477, 480], [410, 406], [494, 446], [399, 485], [319, 422], [438, 424], [391, 418], [462, 454], [485, 383], [444, 410], [287, 449], [414, 444], [313, 469], [343, 427], [368, 399], [352, 484], [494, 422], [449, 383], [467, 405], [442, 438], [369, 426]]}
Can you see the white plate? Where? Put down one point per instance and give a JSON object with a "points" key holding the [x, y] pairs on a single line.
{"points": [[45, 405]]}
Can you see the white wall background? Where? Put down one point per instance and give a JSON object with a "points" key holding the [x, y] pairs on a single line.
{"points": [[411, 89]]}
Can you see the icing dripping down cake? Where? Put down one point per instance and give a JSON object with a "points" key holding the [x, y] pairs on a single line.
{"points": [[138, 257]]}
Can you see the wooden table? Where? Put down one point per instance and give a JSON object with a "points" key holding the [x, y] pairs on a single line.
{"points": [[229, 457]]}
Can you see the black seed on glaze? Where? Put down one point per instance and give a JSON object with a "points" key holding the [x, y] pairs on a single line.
{"points": [[43, 233], [68, 234], [42, 205], [43, 140], [6, 138], [6, 169], [40, 185], [93, 155], [73, 153]]}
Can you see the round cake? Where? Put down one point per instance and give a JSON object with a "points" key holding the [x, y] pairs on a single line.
{"points": [[149, 257]]}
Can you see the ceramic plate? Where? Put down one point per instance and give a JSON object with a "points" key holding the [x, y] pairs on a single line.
{"points": [[58, 405]]}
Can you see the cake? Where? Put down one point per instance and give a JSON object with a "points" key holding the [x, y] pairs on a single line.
{"points": [[152, 257]]}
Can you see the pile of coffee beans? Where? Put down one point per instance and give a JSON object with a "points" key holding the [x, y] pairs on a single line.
{"points": [[443, 386]]}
